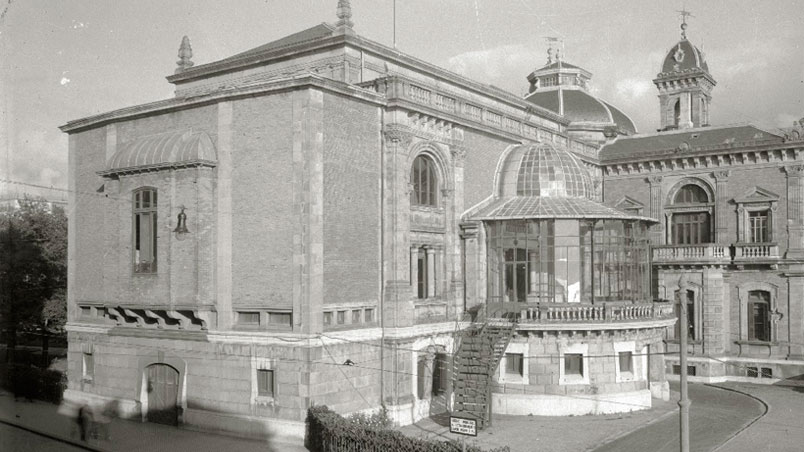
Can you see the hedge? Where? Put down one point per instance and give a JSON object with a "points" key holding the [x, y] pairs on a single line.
{"points": [[33, 383], [328, 431]]}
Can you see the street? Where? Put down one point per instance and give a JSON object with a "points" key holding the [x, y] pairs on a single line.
{"points": [[716, 415], [14, 438]]}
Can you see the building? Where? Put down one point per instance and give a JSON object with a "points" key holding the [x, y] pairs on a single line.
{"points": [[729, 243], [326, 220]]}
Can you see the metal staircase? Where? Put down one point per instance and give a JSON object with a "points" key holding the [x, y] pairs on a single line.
{"points": [[478, 354]]}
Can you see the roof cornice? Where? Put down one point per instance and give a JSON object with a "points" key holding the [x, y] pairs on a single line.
{"points": [[359, 42], [180, 103]]}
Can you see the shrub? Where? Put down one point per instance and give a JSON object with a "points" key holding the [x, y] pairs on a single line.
{"points": [[34, 383], [328, 431]]}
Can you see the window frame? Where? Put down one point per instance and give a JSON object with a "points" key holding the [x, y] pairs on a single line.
{"points": [[272, 373], [88, 366], [751, 326], [151, 212], [744, 297], [620, 375], [756, 199], [566, 378], [674, 207], [424, 182]]}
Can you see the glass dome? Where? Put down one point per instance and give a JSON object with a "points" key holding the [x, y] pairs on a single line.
{"points": [[548, 241]]}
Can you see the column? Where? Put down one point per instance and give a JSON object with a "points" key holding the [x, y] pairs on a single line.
{"points": [[534, 277], [656, 207], [795, 211], [458, 153], [397, 309], [428, 373], [469, 236], [414, 269], [722, 208], [431, 272]]}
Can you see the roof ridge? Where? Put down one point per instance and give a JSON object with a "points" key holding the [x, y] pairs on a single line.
{"points": [[694, 129]]}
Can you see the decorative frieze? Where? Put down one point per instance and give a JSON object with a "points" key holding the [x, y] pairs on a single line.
{"points": [[738, 158]]}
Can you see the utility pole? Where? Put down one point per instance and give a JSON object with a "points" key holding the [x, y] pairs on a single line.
{"points": [[683, 403]]}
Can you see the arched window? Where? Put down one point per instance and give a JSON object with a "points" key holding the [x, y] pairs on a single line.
{"points": [[144, 230], [691, 216], [677, 113], [691, 194], [759, 316], [425, 183]]}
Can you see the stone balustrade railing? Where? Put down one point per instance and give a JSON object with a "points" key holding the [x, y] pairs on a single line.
{"points": [[705, 252], [580, 313], [748, 251]]}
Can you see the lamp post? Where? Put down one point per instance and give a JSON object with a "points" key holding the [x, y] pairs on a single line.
{"points": [[683, 403]]}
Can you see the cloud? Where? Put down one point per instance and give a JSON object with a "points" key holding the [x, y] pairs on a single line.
{"points": [[505, 66], [631, 89]]}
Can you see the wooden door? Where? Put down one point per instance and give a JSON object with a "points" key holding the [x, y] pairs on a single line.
{"points": [[163, 391]]}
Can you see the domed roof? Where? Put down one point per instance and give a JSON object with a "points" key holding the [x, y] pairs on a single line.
{"points": [[684, 57], [539, 180], [544, 170], [577, 105]]}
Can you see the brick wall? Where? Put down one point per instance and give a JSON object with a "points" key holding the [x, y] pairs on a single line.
{"points": [[262, 194], [351, 162]]}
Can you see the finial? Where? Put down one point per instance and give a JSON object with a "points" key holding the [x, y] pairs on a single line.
{"points": [[344, 13], [552, 50], [185, 55], [684, 14]]}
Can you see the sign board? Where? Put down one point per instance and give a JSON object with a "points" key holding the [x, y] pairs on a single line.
{"points": [[463, 426]]}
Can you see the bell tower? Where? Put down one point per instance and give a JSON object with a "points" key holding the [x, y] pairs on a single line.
{"points": [[684, 85]]}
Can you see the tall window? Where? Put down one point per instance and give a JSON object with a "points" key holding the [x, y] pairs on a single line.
{"points": [[758, 226], [690, 222], [759, 315], [677, 113], [425, 183], [145, 231]]}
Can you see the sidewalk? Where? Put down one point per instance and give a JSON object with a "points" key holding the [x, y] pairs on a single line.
{"points": [[549, 433], [128, 435], [781, 429]]}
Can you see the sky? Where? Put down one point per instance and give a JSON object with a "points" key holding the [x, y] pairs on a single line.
{"points": [[66, 59]]}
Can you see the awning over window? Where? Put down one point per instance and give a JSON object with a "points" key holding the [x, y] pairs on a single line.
{"points": [[163, 151]]}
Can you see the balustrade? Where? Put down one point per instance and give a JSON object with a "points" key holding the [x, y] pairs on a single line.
{"points": [[579, 313], [709, 252], [756, 251]]}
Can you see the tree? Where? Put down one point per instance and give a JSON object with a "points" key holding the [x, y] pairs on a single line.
{"points": [[33, 269]]}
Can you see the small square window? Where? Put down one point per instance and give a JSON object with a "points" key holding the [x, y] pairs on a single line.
{"points": [[514, 364], [265, 383], [248, 318], [573, 364], [356, 315], [368, 315], [341, 317], [88, 372], [626, 361], [86, 311], [767, 372], [280, 318], [753, 372], [328, 318]]}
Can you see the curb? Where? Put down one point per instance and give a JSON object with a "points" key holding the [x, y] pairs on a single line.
{"points": [[53, 437], [747, 425], [613, 438]]}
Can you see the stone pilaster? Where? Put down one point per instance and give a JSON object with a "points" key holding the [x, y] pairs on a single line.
{"points": [[722, 208], [431, 272], [457, 277], [657, 235], [712, 307], [308, 202], [795, 211], [795, 313], [223, 222], [471, 263], [398, 303]]}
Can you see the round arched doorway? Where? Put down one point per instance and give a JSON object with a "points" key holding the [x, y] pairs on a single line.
{"points": [[162, 386]]}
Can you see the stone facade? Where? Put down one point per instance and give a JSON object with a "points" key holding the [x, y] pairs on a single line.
{"points": [[307, 276]]}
